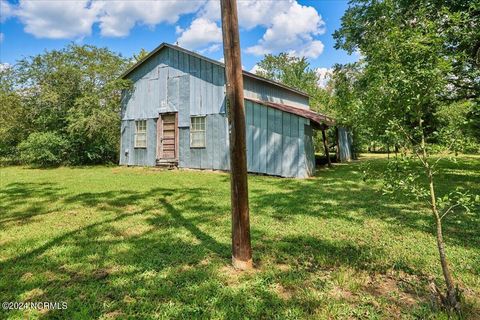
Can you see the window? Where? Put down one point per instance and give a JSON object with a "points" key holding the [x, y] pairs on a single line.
{"points": [[197, 132], [141, 134]]}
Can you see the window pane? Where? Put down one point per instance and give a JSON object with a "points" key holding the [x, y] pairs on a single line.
{"points": [[198, 139], [140, 134], [197, 132]]}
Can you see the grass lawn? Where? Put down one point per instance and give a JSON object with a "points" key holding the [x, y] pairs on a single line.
{"points": [[116, 242]]}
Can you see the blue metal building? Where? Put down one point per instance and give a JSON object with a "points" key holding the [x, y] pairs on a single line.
{"points": [[176, 114]]}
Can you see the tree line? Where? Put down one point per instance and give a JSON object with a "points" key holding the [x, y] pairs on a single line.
{"points": [[62, 107]]}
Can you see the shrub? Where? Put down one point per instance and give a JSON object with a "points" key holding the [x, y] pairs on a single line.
{"points": [[42, 149]]}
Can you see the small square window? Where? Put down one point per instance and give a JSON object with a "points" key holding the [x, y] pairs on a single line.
{"points": [[197, 132], [140, 134]]}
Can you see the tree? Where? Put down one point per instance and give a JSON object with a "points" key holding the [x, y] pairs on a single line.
{"points": [[295, 72], [14, 125], [407, 72], [73, 92], [142, 54]]}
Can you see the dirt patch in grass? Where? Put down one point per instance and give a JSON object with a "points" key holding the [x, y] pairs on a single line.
{"points": [[398, 291], [283, 292]]}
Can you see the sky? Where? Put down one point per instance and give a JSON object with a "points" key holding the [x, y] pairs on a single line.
{"points": [[302, 28]]}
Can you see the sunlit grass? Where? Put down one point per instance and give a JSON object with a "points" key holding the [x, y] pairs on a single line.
{"points": [[117, 242]]}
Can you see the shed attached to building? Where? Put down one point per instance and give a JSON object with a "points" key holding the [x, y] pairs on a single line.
{"points": [[176, 114]]}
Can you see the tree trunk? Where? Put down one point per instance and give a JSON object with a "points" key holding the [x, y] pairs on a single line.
{"points": [[451, 300], [337, 150], [325, 146]]}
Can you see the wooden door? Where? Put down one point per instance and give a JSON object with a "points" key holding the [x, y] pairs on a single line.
{"points": [[167, 136]]}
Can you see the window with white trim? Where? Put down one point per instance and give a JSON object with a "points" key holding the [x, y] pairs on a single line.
{"points": [[197, 132], [140, 133]]}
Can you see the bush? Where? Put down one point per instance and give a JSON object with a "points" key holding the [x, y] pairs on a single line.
{"points": [[42, 149]]}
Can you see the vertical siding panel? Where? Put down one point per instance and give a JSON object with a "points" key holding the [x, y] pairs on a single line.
{"points": [[198, 97], [263, 139], [296, 141], [151, 152], [203, 68], [256, 143], [175, 61], [270, 141], [183, 154], [226, 141], [209, 88], [180, 61], [278, 142], [249, 133], [210, 124], [287, 149]]}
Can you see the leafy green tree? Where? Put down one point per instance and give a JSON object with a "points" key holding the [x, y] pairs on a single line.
{"points": [[142, 54], [296, 73], [43, 149], [14, 124], [407, 72], [75, 93]]}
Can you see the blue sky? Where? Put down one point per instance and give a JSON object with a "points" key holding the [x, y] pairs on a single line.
{"points": [[304, 28]]}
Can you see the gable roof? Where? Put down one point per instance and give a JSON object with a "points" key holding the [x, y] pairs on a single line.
{"points": [[218, 63], [317, 118]]}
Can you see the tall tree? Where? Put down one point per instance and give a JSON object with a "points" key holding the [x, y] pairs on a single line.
{"points": [[74, 92], [408, 70]]}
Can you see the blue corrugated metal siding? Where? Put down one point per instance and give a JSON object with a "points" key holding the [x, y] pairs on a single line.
{"points": [[215, 155], [257, 89], [277, 142], [129, 155]]}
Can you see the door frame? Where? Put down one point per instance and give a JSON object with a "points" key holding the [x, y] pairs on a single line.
{"points": [[159, 155]]}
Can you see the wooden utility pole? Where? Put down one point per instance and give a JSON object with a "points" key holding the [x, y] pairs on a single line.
{"points": [[241, 247], [325, 146]]}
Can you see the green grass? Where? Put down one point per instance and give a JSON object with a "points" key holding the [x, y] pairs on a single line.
{"points": [[117, 242]]}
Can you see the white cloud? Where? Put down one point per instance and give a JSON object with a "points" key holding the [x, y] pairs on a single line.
{"points": [[289, 26], [251, 13], [213, 48], [49, 19], [293, 31], [6, 10], [118, 17], [201, 34], [178, 30], [311, 49], [74, 19], [324, 75]]}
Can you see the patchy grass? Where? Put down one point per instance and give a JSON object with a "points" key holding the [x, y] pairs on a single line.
{"points": [[118, 242]]}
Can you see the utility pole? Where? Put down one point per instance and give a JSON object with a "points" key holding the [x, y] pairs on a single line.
{"points": [[241, 247]]}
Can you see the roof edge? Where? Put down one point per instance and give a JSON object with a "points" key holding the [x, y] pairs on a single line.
{"points": [[245, 73], [318, 118]]}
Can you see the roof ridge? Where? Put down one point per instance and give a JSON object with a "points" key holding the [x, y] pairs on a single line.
{"points": [[192, 53]]}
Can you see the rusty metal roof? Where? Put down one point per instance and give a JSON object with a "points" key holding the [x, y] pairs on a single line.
{"points": [[317, 118]]}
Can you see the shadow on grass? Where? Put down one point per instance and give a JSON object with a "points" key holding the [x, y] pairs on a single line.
{"points": [[174, 267]]}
